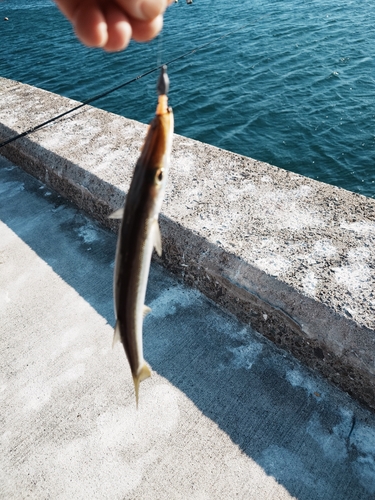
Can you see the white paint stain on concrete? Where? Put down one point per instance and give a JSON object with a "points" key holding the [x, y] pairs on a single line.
{"points": [[246, 187], [171, 299], [361, 227], [109, 155], [88, 233], [287, 213], [359, 254], [11, 187], [303, 191], [234, 331], [209, 223], [364, 467], [275, 265], [357, 274], [297, 379], [324, 248], [353, 277], [266, 179], [343, 428], [309, 283], [331, 442], [363, 438], [184, 164], [245, 356]]}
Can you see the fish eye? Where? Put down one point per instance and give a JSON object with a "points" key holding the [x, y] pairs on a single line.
{"points": [[160, 175]]}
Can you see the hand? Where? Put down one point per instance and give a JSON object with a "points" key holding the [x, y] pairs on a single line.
{"points": [[111, 24]]}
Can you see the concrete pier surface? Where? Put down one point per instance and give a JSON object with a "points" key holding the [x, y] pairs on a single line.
{"points": [[225, 415], [291, 257]]}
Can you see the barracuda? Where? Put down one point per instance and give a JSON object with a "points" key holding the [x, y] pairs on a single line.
{"points": [[139, 234]]}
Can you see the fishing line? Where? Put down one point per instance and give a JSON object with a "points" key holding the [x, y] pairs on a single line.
{"points": [[107, 92], [160, 48]]}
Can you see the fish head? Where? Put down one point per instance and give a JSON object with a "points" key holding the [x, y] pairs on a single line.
{"points": [[157, 150]]}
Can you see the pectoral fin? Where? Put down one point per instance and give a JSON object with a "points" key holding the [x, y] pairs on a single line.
{"points": [[157, 238], [146, 310], [117, 214]]}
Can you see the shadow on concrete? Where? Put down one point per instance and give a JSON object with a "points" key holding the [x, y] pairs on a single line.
{"points": [[236, 378], [78, 249]]}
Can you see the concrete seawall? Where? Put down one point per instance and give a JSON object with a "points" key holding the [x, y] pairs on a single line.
{"points": [[290, 256]]}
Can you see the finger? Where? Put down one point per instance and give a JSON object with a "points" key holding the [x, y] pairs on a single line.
{"points": [[143, 32], [67, 7], [143, 10], [119, 29], [90, 25]]}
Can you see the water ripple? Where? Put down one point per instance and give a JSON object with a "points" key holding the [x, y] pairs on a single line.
{"points": [[294, 89]]}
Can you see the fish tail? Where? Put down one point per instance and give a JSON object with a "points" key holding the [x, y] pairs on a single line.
{"points": [[143, 373]]}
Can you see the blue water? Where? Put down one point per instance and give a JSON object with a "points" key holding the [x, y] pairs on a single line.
{"points": [[295, 88]]}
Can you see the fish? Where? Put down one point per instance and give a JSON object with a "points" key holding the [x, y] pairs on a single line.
{"points": [[139, 234]]}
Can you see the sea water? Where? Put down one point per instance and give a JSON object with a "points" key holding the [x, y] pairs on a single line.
{"points": [[294, 87]]}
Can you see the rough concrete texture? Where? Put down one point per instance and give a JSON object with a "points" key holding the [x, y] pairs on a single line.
{"points": [[225, 415], [290, 256]]}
